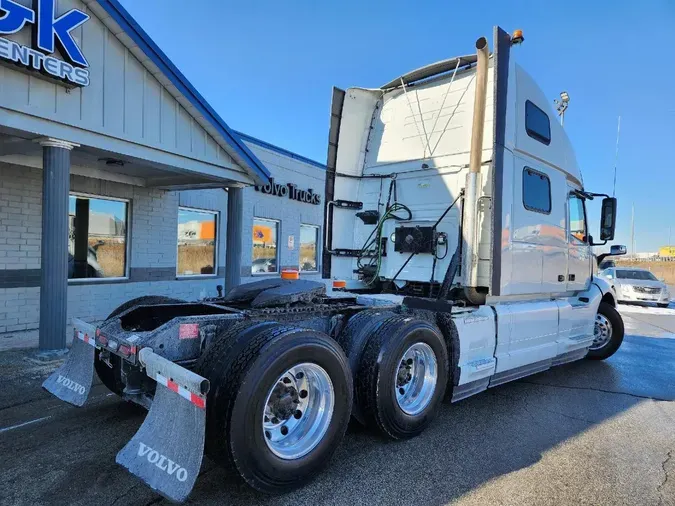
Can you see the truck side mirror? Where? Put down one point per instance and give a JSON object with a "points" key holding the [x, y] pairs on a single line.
{"points": [[608, 219], [618, 249]]}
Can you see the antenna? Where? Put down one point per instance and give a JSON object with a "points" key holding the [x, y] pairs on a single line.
{"points": [[616, 155]]}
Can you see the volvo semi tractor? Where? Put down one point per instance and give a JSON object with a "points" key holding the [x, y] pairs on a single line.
{"points": [[456, 237]]}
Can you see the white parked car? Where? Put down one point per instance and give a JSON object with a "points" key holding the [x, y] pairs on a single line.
{"points": [[637, 285]]}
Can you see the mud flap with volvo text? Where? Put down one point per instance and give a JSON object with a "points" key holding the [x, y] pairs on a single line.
{"points": [[72, 381], [166, 452]]}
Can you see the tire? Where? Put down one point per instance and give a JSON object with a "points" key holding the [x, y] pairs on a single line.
{"points": [[353, 339], [111, 377], [377, 381], [242, 375], [605, 346]]}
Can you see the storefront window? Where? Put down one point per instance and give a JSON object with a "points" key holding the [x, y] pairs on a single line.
{"points": [[265, 233], [197, 236], [309, 239], [97, 237]]}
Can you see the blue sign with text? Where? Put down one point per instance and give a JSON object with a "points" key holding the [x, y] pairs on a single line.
{"points": [[49, 34]]}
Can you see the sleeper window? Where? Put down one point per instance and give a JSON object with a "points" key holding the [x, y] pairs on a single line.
{"points": [[537, 123], [536, 191]]}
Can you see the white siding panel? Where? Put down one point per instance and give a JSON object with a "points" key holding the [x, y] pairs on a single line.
{"points": [[14, 89], [168, 125], [184, 131], [115, 54], [133, 97], [198, 140], [152, 110], [93, 46]]}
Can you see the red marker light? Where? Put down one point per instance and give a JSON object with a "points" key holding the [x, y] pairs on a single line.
{"points": [[124, 350]]}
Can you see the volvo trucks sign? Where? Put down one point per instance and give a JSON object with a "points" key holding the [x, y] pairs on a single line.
{"points": [[291, 191], [49, 34]]}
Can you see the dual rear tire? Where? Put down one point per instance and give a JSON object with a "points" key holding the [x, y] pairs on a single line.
{"points": [[279, 404], [401, 376], [281, 397]]}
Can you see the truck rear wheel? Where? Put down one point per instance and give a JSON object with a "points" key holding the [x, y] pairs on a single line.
{"points": [[353, 340], [111, 377], [279, 404], [402, 376], [608, 334]]}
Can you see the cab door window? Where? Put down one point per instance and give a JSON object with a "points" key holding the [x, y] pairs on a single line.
{"points": [[577, 220]]}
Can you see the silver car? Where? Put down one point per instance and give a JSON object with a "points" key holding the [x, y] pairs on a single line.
{"points": [[637, 285]]}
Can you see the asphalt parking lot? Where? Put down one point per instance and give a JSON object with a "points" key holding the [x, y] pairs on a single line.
{"points": [[583, 433]]}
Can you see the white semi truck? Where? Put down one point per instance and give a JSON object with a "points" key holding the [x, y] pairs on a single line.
{"points": [[456, 231]]}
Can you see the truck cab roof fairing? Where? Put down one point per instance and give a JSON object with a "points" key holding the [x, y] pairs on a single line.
{"points": [[433, 69]]}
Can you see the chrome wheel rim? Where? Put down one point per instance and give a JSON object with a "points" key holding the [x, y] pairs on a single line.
{"points": [[298, 411], [603, 332], [415, 379]]}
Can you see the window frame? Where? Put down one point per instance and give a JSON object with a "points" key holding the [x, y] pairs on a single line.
{"points": [[550, 199], [278, 249], [127, 239], [216, 252], [318, 247], [533, 133], [571, 238]]}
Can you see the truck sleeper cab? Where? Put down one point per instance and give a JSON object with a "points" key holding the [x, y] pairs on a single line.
{"points": [[456, 220]]}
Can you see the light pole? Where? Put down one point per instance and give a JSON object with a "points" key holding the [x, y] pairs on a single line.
{"points": [[562, 105]]}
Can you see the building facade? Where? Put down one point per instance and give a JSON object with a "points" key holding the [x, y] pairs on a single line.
{"points": [[117, 179]]}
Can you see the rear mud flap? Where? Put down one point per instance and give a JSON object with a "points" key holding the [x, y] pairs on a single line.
{"points": [[72, 381], [166, 452]]}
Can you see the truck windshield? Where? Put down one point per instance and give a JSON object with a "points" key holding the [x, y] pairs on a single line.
{"points": [[632, 274]]}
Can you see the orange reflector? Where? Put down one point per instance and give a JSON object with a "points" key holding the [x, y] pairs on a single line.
{"points": [[339, 283], [290, 274]]}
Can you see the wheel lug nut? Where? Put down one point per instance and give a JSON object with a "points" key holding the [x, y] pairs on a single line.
{"points": [[300, 375], [298, 414], [296, 401], [268, 435], [267, 418], [286, 380], [275, 420], [408, 377], [401, 391], [284, 430], [409, 361], [303, 394]]}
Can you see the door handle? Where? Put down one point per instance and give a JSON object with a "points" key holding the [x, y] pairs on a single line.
{"points": [[561, 278], [572, 277]]}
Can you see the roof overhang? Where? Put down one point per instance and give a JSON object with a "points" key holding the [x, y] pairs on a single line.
{"points": [[138, 42]]}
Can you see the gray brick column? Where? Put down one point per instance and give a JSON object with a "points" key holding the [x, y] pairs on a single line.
{"points": [[235, 219], [54, 261]]}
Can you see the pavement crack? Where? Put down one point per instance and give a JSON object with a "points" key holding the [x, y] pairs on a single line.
{"points": [[637, 396], [126, 492], [528, 405], [669, 456]]}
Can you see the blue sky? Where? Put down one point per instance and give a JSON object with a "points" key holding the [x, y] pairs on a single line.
{"points": [[268, 68]]}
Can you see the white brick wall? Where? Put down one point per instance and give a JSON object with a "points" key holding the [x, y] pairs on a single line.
{"points": [[20, 217]]}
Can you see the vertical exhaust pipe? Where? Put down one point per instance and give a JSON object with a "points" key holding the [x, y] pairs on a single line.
{"points": [[473, 178]]}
